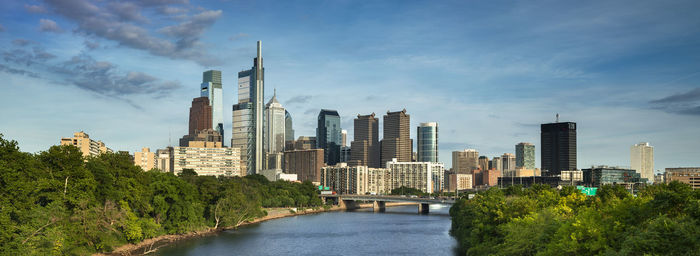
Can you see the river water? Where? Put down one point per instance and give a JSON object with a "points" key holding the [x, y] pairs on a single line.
{"points": [[398, 231]]}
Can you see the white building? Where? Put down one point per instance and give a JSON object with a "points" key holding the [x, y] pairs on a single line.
{"points": [[426, 176], [274, 126], [164, 159], [359, 180], [214, 161], [642, 160]]}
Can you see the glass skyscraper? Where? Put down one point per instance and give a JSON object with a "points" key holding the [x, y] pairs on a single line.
{"points": [[428, 142], [248, 117], [328, 135], [525, 155], [275, 130], [288, 129], [211, 87]]}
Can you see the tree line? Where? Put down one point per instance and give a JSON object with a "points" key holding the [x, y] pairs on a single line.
{"points": [[661, 219], [56, 202]]}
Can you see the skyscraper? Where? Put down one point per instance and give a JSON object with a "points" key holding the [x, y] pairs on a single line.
{"points": [[344, 138], [288, 128], [465, 161], [328, 135], [558, 147], [497, 164], [428, 142], [200, 115], [212, 88], [525, 155], [642, 159], [275, 128], [248, 116], [397, 142], [508, 164], [484, 163], [365, 145]]}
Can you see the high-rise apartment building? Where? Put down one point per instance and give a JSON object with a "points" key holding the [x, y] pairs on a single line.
{"points": [[642, 159], [275, 128], [484, 163], [86, 145], [425, 176], [358, 180], [427, 142], [165, 159], [365, 149], [397, 142], [288, 128], [248, 116], [145, 159], [211, 88], [207, 159], [497, 164], [558, 147], [525, 155], [465, 161], [328, 135], [508, 160]]}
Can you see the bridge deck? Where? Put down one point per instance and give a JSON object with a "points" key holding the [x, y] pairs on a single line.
{"points": [[391, 199]]}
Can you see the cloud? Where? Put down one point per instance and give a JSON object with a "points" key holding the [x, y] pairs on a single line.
{"points": [[238, 36], [10, 70], [91, 44], [35, 8], [24, 57], [311, 111], [299, 99], [122, 22], [105, 78], [687, 103], [21, 42], [47, 25]]}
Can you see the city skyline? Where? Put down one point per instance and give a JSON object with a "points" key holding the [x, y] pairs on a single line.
{"points": [[618, 97]]}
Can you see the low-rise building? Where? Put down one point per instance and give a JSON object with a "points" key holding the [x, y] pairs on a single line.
{"points": [[277, 174], [86, 145], [687, 175], [459, 181], [603, 175]]}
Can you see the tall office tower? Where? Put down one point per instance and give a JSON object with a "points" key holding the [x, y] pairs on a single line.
{"points": [[365, 146], [212, 89], [344, 138], [525, 155], [275, 119], [465, 161], [248, 116], [484, 163], [200, 115], [497, 164], [642, 158], [397, 142], [427, 142], [328, 135], [558, 147], [288, 129], [508, 164]]}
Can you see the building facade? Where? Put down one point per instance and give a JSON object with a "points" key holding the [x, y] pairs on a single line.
{"points": [[145, 159], [508, 161], [275, 128], [328, 135], [211, 88], [425, 176], [165, 159], [642, 159], [207, 160], [687, 175], [365, 145], [397, 142], [525, 155], [288, 128], [86, 145], [465, 161], [357, 180], [484, 163], [604, 175], [306, 164], [427, 142], [459, 182], [497, 164], [558, 142]]}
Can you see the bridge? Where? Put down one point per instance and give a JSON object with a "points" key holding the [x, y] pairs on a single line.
{"points": [[379, 202]]}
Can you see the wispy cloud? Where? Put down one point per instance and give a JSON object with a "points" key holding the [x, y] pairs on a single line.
{"points": [[687, 103], [47, 25], [299, 99], [35, 8]]}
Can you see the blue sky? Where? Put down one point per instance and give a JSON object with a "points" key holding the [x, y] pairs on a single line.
{"points": [[488, 72]]}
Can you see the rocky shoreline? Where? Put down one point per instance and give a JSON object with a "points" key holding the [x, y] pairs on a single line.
{"points": [[151, 245]]}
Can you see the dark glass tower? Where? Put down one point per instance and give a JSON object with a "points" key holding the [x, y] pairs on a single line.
{"points": [[558, 147], [328, 135]]}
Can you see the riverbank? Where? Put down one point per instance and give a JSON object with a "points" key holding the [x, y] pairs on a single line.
{"points": [[152, 244]]}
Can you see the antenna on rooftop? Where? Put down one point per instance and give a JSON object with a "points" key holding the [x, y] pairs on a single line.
{"points": [[557, 117]]}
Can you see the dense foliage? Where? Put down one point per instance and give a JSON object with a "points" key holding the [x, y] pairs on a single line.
{"points": [[407, 191], [58, 203], [660, 220]]}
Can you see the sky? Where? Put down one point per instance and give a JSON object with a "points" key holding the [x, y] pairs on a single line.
{"points": [[489, 72]]}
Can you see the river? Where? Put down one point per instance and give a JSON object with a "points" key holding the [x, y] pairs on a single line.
{"points": [[398, 231]]}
